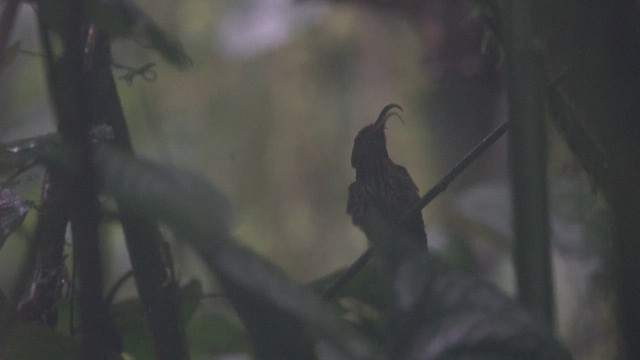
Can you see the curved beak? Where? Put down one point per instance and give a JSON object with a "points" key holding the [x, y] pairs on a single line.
{"points": [[385, 115]]}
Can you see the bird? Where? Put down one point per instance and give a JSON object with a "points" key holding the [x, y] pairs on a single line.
{"points": [[381, 184]]}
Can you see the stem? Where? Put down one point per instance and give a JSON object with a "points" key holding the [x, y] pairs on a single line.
{"points": [[70, 89], [528, 160], [156, 287], [333, 289], [53, 216], [443, 184]]}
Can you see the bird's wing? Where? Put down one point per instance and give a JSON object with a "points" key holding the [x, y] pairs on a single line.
{"points": [[405, 192]]}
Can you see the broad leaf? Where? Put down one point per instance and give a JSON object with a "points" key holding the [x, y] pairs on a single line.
{"points": [[275, 310], [441, 313]]}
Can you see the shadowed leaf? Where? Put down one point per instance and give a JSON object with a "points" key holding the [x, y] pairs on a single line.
{"points": [[443, 313], [13, 210], [275, 310]]}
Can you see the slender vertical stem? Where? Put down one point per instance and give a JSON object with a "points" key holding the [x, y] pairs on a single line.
{"points": [[156, 288], [527, 152], [53, 216], [70, 90]]}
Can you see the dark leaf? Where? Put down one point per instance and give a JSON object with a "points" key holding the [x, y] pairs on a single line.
{"points": [[453, 314], [13, 210], [273, 308], [120, 19], [444, 313]]}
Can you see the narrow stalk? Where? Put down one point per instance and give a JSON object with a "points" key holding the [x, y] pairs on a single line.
{"points": [[156, 287], [53, 215], [528, 160], [70, 91]]}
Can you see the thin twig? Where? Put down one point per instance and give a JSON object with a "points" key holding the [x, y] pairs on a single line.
{"points": [[117, 286], [443, 184], [146, 71], [332, 290]]}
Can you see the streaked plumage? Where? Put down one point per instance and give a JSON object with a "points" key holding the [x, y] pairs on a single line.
{"points": [[381, 183]]}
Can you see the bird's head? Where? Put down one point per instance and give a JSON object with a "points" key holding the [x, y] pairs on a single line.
{"points": [[370, 146]]}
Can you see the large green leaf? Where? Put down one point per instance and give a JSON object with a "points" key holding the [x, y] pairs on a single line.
{"points": [[442, 313], [276, 311]]}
